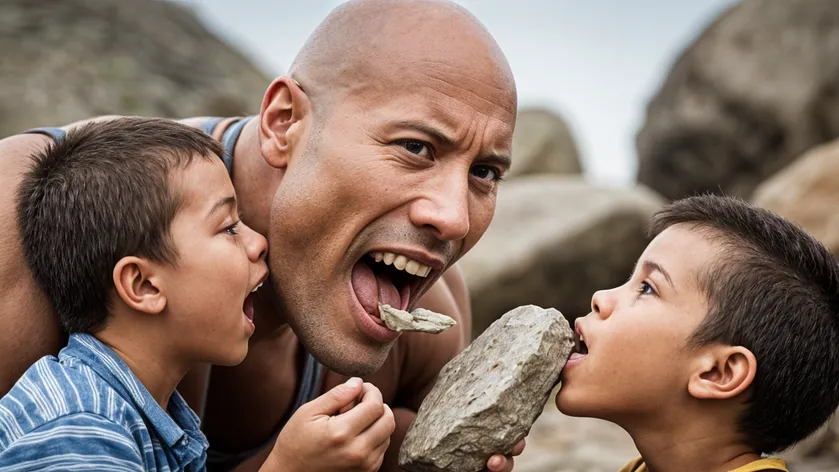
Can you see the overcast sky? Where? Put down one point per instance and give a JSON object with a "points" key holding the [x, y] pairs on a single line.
{"points": [[595, 62]]}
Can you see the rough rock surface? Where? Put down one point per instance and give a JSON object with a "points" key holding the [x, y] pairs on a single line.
{"points": [[73, 59], [543, 144], [807, 193], [554, 241], [422, 320], [758, 88], [487, 398]]}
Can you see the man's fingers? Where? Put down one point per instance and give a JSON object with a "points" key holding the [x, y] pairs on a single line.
{"points": [[518, 448], [499, 463], [335, 399]]}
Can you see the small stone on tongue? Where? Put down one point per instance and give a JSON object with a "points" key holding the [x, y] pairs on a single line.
{"points": [[373, 289], [420, 319]]}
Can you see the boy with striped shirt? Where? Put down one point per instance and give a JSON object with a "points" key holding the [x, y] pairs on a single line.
{"points": [[131, 228]]}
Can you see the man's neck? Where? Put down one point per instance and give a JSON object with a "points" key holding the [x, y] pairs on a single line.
{"points": [[256, 183], [149, 358], [254, 180], [691, 442]]}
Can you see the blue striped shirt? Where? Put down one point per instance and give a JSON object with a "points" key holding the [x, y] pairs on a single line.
{"points": [[85, 410]]}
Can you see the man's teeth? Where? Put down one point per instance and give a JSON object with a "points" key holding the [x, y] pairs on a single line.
{"points": [[402, 263], [256, 288]]}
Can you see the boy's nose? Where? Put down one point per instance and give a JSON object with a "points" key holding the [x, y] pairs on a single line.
{"points": [[602, 303], [256, 246]]}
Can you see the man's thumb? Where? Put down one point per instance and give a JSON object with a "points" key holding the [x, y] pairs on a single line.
{"points": [[333, 401]]}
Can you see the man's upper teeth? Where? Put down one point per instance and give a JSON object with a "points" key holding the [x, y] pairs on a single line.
{"points": [[402, 263], [256, 288]]}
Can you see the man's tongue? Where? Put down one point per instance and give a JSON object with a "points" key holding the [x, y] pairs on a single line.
{"points": [[372, 289]]}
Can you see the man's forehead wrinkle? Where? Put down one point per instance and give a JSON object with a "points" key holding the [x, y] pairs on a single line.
{"points": [[449, 68], [483, 106], [458, 129], [494, 82]]}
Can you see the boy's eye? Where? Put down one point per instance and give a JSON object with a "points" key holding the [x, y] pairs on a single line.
{"points": [[646, 289], [233, 229]]}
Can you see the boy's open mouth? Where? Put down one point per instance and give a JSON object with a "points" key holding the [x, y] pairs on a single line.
{"points": [[247, 306], [387, 278], [581, 347]]}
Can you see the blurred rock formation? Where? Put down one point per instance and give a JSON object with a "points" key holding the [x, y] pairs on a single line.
{"points": [[72, 59], [757, 88], [543, 144], [555, 240]]}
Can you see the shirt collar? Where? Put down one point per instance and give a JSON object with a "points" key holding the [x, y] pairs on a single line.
{"points": [[179, 429]]}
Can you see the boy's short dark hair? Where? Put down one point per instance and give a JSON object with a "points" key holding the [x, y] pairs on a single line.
{"points": [[102, 194], [775, 291]]}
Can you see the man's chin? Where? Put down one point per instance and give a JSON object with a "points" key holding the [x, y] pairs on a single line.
{"points": [[352, 361]]}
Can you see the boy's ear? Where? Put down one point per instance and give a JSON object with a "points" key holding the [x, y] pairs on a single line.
{"points": [[284, 107], [138, 285], [722, 372]]}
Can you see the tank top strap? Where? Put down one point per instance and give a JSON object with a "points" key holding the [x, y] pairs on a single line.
{"points": [[229, 139], [57, 134], [210, 125]]}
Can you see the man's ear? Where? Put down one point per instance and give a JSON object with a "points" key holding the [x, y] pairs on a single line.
{"points": [[138, 285], [722, 372], [284, 107]]}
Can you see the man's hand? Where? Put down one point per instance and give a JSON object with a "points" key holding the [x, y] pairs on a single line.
{"points": [[499, 463], [323, 435]]}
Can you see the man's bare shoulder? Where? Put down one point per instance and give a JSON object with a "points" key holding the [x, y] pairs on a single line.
{"points": [[16, 151]]}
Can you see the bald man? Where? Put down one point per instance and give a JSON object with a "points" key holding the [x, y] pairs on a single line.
{"points": [[371, 169]]}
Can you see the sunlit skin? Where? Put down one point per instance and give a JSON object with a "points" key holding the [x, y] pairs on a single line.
{"points": [[678, 402], [388, 134]]}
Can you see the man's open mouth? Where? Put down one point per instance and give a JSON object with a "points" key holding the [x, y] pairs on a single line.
{"points": [[388, 278]]}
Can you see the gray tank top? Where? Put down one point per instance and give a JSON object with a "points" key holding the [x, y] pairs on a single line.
{"points": [[309, 385]]}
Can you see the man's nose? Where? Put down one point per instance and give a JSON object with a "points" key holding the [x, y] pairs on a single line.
{"points": [[445, 209], [603, 303], [256, 246]]}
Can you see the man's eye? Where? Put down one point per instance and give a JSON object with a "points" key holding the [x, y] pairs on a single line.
{"points": [[486, 173], [415, 147]]}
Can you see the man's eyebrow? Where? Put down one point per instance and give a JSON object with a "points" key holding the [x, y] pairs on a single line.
{"points": [[440, 136], [435, 133], [503, 162], [229, 201], [651, 266]]}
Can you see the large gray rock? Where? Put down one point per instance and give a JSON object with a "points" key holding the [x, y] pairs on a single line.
{"points": [[72, 59], [554, 241], [807, 193], [543, 144], [757, 89], [487, 398]]}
